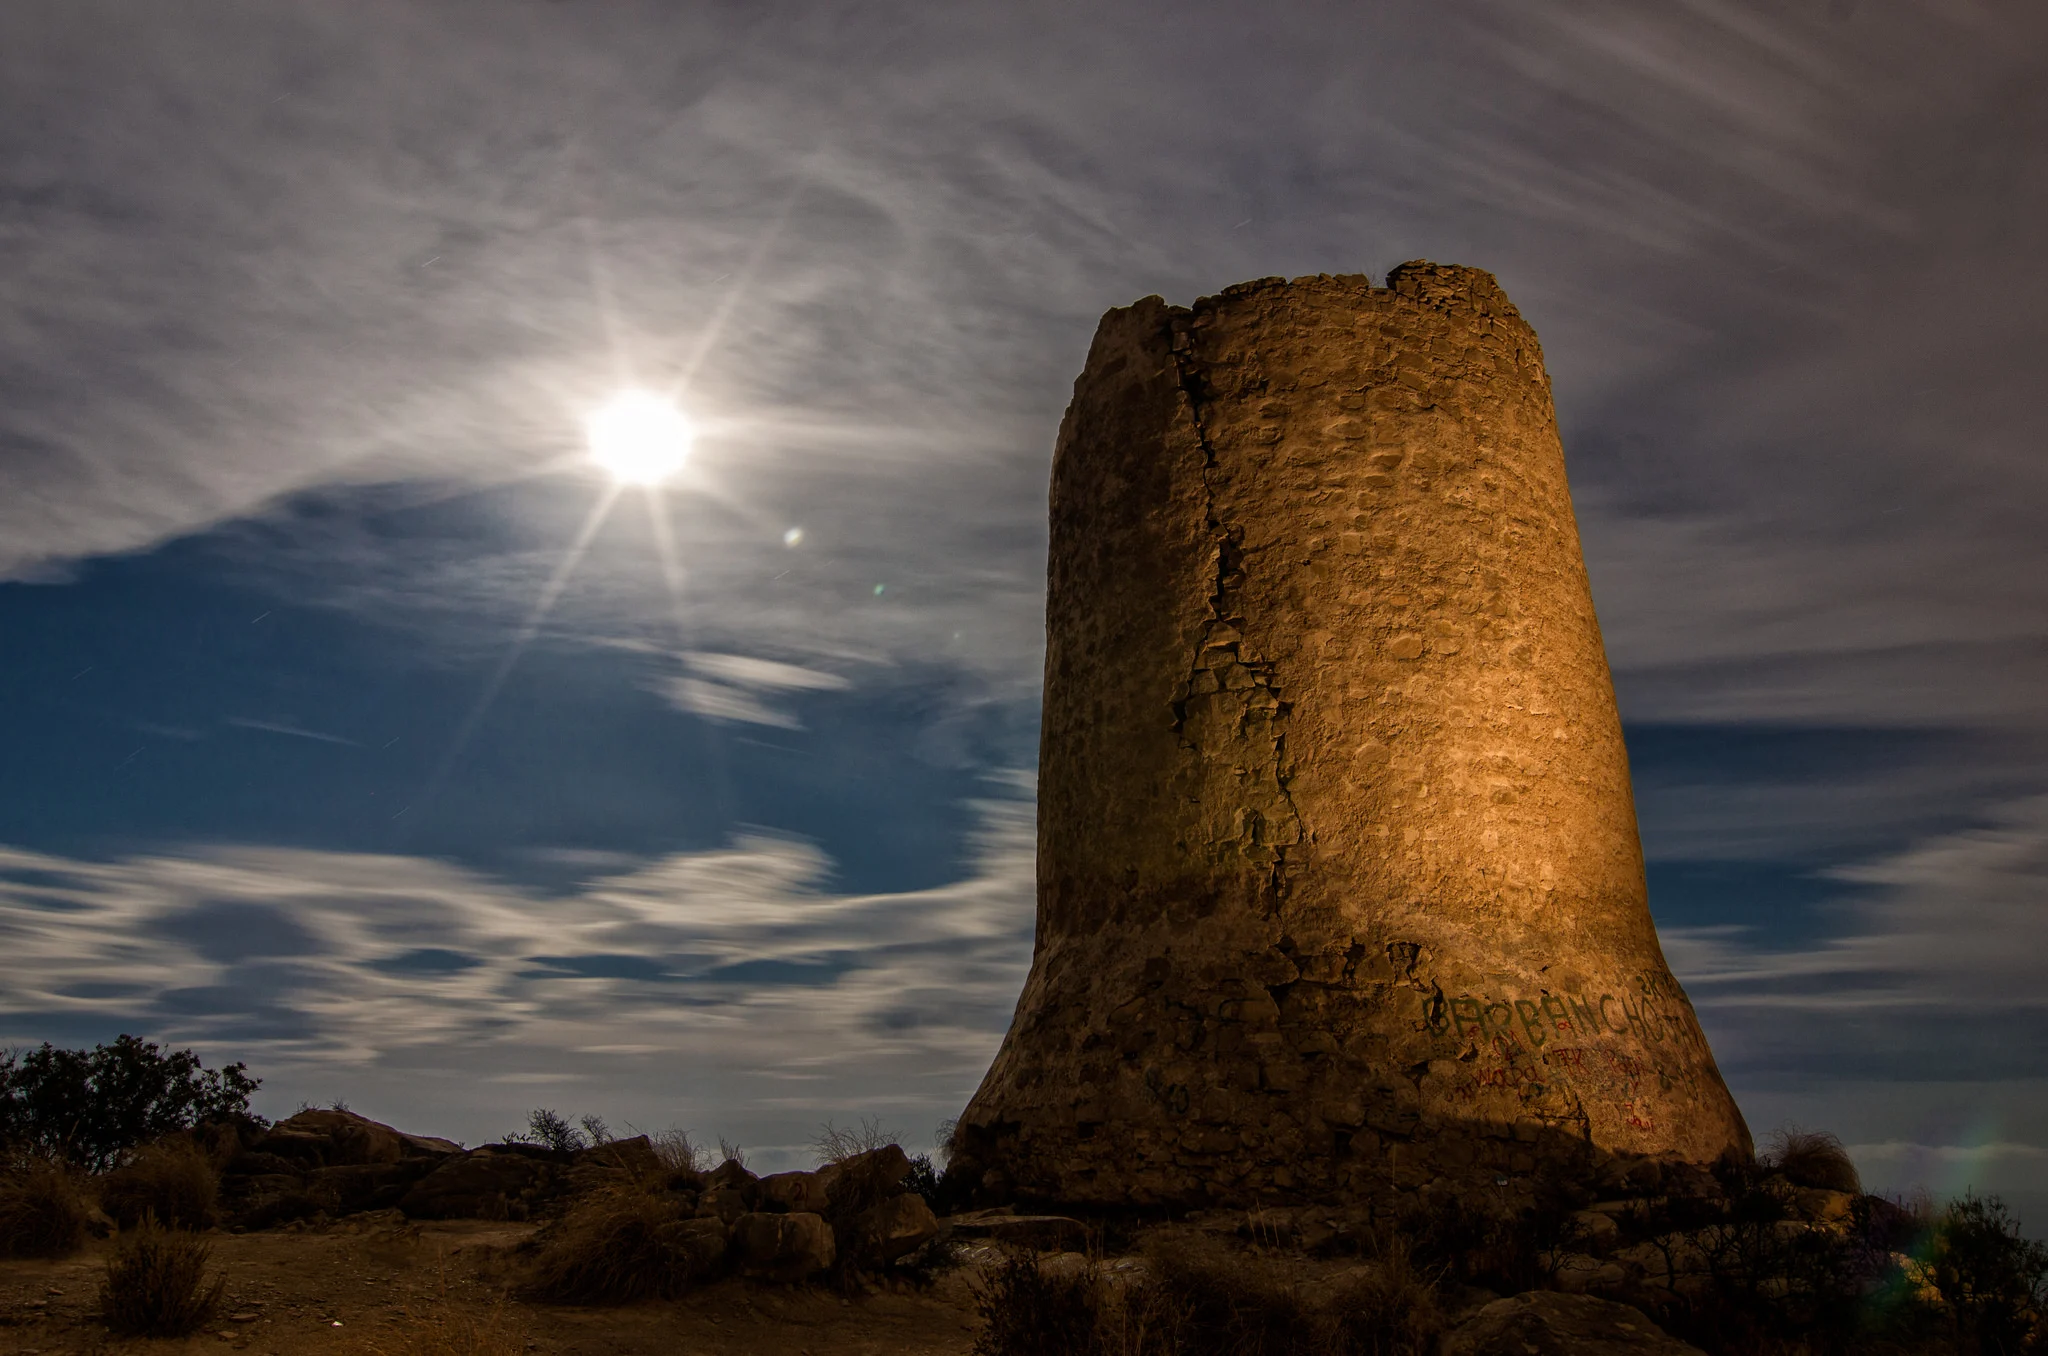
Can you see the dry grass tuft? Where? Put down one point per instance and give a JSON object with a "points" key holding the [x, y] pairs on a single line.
{"points": [[1029, 1309], [836, 1143], [172, 1180], [43, 1213], [677, 1153], [159, 1283], [1390, 1310], [616, 1247], [1813, 1158]]}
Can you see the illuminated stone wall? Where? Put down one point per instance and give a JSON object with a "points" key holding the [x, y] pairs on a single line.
{"points": [[1339, 882]]}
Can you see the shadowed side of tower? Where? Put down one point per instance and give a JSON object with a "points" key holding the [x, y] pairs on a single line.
{"points": [[1339, 886]]}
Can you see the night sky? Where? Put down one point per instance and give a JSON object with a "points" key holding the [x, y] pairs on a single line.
{"points": [[353, 724]]}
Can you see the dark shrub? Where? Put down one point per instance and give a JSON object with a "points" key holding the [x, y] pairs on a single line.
{"points": [[550, 1129], [172, 1180], [42, 1211], [1993, 1281], [159, 1284], [615, 1247], [1813, 1158], [1027, 1309], [1391, 1311], [94, 1106]]}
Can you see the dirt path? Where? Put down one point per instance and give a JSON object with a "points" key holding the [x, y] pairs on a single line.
{"points": [[359, 1290]]}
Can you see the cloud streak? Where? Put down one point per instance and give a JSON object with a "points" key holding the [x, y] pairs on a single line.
{"points": [[737, 970]]}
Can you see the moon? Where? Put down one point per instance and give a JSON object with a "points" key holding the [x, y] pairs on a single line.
{"points": [[640, 437]]}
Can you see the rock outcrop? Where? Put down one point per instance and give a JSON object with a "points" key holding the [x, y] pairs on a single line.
{"points": [[1340, 890]]}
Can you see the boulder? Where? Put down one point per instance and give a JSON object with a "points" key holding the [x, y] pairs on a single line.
{"points": [[731, 1173], [1545, 1324], [891, 1229], [702, 1241], [1045, 1233], [724, 1203], [635, 1156], [353, 1187], [480, 1185], [854, 1184], [793, 1191], [786, 1247], [333, 1139]]}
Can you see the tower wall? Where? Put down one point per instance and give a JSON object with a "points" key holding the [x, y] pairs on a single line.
{"points": [[1339, 883]]}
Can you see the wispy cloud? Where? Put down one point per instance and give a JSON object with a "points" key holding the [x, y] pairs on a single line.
{"points": [[351, 970]]}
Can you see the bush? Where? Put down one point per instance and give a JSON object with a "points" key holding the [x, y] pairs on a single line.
{"points": [[1390, 1311], [550, 1129], [616, 1247], [675, 1151], [42, 1211], [1993, 1281], [93, 1107], [1029, 1309], [159, 1284], [1813, 1158], [171, 1181]]}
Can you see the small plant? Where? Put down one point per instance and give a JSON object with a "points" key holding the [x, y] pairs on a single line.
{"points": [[550, 1129], [677, 1153], [171, 1180], [834, 1144], [42, 1212], [159, 1283], [730, 1152], [929, 1181], [595, 1130], [1813, 1158], [1390, 1311], [94, 1106]]}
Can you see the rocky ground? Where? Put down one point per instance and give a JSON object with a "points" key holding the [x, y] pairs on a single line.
{"points": [[373, 1284], [337, 1234]]}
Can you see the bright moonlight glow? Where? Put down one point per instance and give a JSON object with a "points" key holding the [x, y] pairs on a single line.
{"points": [[641, 438]]}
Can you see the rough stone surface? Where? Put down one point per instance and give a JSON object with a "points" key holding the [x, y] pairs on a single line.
{"points": [[785, 1247], [1340, 890], [1544, 1324], [793, 1191], [1044, 1233], [892, 1229]]}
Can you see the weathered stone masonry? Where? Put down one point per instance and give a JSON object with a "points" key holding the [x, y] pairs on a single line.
{"points": [[1339, 883]]}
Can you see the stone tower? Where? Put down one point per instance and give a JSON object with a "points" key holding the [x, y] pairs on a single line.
{"points": [[1339, 885]]}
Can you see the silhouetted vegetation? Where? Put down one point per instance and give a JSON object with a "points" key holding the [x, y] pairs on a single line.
{"points": [[550, 1129], [43, 1212], [92, 1107], [1993, 1281], [171, 1180], [622, 1245], [159, 1283], [1813, 1158]]}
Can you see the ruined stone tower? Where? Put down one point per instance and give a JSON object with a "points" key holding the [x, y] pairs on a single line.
{"points": [[1339, 886]]}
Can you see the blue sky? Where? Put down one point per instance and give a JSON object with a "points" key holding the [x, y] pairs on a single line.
{"points": [[302, 313]]}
